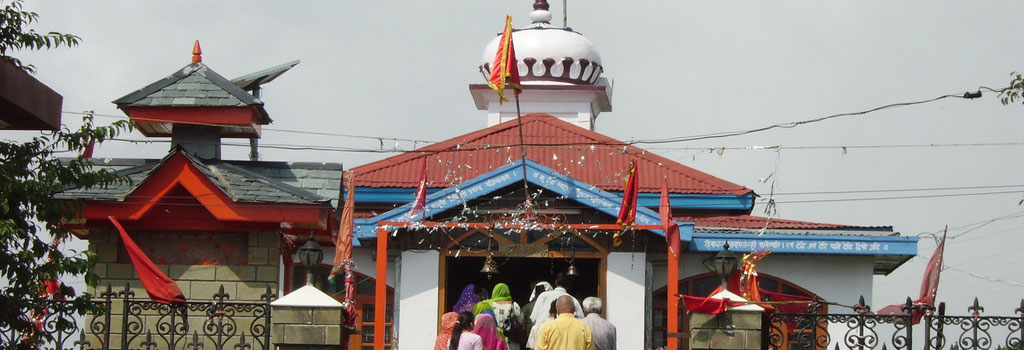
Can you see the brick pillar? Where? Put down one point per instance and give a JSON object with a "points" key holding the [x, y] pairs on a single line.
{"points": [[738, 328], [306, 319]]}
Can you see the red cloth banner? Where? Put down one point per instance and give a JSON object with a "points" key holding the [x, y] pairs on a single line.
{"points": [[929, 286], [420, 201], [627, 211], [343, 244], [710, 306], [505, 68], [161, 288], [670, 226]]}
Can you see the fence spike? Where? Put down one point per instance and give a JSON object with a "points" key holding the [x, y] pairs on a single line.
{"points": [[1020, 310], [884, 347], [976, 309], [837, 346], [908, 307]]}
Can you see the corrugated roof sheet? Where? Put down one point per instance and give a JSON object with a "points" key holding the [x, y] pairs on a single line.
{"points": [[556, 144], [758, 222]]}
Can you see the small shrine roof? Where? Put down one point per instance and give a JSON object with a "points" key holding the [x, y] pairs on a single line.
{"points": [[582, 154], [195, 85], [272, 182]]}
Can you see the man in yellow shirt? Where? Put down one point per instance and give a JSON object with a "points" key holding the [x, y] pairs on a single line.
{"points": [[565, 332]]}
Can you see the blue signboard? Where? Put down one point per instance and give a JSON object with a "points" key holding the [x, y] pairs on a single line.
{"points": [[806, 244]]}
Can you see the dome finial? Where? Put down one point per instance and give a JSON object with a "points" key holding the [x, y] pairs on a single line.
{"points": [[540, 12], [197, 53]]}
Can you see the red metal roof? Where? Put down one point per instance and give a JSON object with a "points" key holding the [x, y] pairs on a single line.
{"points": [[579, 153], [758, 222]]}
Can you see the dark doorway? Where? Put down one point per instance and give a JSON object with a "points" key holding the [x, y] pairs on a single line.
{"points": [[519, 274]]}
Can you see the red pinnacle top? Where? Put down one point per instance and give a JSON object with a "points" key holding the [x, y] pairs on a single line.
{"points": [[540, 5], [197, 53]]}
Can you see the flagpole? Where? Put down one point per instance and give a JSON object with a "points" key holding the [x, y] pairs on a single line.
{"points": [[522, 148]]}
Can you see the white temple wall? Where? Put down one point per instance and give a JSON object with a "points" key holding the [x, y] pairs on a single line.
{"points": [[839, 278], [624, 299], [418, 298]]}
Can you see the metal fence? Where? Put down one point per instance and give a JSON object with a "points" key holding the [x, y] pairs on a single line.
{"points": [[865, 330], [126, 322]]}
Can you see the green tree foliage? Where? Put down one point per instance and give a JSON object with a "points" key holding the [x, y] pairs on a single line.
{"points": [[15, 34], [1015, 91], [32, 223], [30, 176]]}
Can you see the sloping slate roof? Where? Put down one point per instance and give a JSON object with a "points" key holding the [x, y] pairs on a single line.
{"points": [[242, 182], [750, 222], [195, 85], [476, 153]]}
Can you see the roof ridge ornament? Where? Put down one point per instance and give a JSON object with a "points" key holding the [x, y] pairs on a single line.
{"points": [[197, 53], [540, 12]]}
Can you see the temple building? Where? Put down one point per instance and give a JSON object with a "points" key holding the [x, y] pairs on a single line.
{"points": [[209, 222]]}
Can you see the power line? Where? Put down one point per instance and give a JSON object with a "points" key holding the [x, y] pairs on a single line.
{"points": [[892, 198], [617, 143]]}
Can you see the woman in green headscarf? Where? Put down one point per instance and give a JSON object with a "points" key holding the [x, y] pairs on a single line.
{"points": [[507, 314]]}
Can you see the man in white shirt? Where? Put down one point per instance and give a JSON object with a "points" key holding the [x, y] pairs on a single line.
{"points": [[561, 283]]}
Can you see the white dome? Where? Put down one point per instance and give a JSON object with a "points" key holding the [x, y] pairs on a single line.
{"points": [[549, 54]]}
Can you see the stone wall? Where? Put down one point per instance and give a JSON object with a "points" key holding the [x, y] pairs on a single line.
{"points": [[197, 282]]}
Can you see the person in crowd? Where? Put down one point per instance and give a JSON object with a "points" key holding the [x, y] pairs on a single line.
{"points": [[467, 299], [565, 332], [463, 337], [562, 284], [508, 315], [531, 342], [602, 331], [447, 327], [538, 288], [488, 332]]}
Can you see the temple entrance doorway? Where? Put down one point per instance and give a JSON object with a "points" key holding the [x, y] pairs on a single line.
{"points": [[520, 273]]}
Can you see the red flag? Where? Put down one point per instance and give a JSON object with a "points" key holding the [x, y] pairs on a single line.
{"points": [[505, 68], [87, 152], [420, 202], [343, 245], [670, 226], [929, 286], [627, 211], [161, 288]]}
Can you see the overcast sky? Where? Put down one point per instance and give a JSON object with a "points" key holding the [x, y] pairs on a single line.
{"points": [[401, 69]]}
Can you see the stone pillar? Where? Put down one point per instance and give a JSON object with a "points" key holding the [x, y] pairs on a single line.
{"points": [[306, 319], [737, 328]]}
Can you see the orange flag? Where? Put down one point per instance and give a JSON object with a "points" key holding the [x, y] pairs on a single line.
{"points": [[505, 68], [668, 224], [161, 288], [419, 203], [343, 245]]}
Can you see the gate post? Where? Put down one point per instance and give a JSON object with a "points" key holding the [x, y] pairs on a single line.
{"points": [[737, 328], [306, 319]]}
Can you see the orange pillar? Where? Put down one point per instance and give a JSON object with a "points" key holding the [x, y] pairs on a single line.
{"points": [[380, 297], [673, 301]]}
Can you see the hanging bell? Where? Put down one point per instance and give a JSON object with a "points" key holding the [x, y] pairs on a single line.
{"points": [[490, 267], [572, 270]]}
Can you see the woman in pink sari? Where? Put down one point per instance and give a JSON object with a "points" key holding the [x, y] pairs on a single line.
{"points": [[488, 332]]}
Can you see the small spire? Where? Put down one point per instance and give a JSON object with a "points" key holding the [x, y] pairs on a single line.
{"points": [[540, 12], [197, 53]]}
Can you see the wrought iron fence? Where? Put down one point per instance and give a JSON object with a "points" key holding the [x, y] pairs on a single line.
{"points": [[126, 322], [55, 318], [865, 330]]}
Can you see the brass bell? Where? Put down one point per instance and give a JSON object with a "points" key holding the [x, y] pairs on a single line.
{"points": [[490, 267], [572, 270]]}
